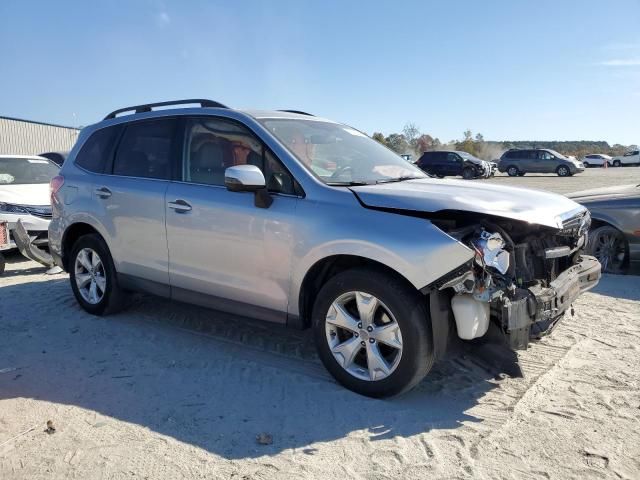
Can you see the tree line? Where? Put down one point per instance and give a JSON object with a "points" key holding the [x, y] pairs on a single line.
{"points": [[414, 142]]}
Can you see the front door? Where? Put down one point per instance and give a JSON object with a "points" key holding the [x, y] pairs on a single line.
{"points": [[224, 251]]}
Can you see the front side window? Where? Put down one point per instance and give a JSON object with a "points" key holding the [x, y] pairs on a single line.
{"points": [[145, 150], [340, 155], [542, 155], [24, 171], [212, 145]]}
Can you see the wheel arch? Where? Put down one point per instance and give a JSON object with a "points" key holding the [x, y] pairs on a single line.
{"points": [[326, 268], [71, 234]]}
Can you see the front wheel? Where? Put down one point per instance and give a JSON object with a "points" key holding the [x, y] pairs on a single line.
{"points": [[373, 332], [617, 163], [563, 171], [93, 276], [609, 246], [468, 173], [512, 171]]}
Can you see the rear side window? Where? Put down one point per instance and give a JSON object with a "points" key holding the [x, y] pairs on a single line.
{"points": [[426, 158], [96, 151], [145, 149]]}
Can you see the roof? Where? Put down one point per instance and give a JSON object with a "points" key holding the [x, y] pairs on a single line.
{"points": [[37, 123]]}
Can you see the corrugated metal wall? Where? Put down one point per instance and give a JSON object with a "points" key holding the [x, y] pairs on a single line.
{"points": [[20, 137]]}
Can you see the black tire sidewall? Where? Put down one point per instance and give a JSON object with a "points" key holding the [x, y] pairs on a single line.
{"points": [[509, 170], [593, 236], [409, 309], [96, 243], [468, 173]]}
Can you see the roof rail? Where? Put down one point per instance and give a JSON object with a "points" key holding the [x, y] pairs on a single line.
{"points": [[148, 106], [299, 112]]}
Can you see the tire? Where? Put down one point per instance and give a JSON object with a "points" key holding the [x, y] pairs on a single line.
{"points": [[468, 173], [521, 174], [513, 171], [398, 303], [612, 256], [563, 171], [586, 164], [2, 264], [104, 276], [617, 163]]}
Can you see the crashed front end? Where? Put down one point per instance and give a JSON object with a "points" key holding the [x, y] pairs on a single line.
{"points": [[523, 277]]}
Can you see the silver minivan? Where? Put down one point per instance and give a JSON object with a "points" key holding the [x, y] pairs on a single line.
{"points": [[518, 162], [298, 220]]}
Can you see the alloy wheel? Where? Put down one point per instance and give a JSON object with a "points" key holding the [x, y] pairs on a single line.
{"points": [[563, 171], [610, 250], [90, 276], [363, 336]]}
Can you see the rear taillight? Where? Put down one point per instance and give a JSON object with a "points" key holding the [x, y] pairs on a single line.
{"points": [[54, 185]]}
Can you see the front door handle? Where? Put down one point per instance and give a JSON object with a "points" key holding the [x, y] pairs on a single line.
{"points": [[103, 192], [180, 206]]}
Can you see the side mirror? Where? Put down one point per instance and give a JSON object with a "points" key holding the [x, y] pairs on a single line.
{"points": [[248, 178]]}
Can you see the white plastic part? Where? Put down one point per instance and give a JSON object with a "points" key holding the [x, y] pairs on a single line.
{"points": [[472, 316]]}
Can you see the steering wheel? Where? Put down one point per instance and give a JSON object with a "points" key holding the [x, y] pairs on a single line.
{"points": [[340, 171]]}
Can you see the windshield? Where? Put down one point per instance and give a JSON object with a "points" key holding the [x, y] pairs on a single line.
{"points": [[556, 154], [20, 171], [468, 156], [340, 155]]}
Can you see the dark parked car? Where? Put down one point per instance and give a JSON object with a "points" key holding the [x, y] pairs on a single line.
{"points": [[454, 163], [615, 229], [517, 162], [56, 157]]}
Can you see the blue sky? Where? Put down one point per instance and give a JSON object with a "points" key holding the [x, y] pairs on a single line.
{"points": [[517, 70]]}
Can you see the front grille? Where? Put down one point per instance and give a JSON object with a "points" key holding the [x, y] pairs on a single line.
{"points": [[42, 212], [576, 225]]}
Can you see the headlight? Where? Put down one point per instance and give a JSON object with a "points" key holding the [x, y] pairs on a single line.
{"points": [[11, 208]]}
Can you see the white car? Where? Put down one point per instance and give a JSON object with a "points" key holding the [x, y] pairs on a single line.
{"points": [[632, 157], [596, 160], [24, 195]]}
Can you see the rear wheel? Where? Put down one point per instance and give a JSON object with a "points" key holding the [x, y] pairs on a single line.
{"points": [[610, 247], [93, 276], [563, 171], [512, 171], [373, 332]]}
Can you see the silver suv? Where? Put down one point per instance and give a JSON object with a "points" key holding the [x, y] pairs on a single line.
{"points": [[302, 221]]}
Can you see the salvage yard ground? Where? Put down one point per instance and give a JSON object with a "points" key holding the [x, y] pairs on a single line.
{"points": [[173, 391]]}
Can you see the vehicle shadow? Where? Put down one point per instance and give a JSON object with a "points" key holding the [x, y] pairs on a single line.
{"points": [[619, 286], [206, 378]]}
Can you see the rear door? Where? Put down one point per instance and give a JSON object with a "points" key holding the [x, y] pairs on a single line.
{"points": [[131, 199], [224, 251]]}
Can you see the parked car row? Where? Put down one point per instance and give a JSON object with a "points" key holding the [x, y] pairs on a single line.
{"points": [[631, 157], [299, 220]]}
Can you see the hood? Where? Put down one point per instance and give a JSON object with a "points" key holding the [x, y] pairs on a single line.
{"points": [[605, 193], [432, 195], [28, 194]]}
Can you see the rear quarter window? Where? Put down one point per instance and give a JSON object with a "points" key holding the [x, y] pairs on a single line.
{"points": [[95, 153]]}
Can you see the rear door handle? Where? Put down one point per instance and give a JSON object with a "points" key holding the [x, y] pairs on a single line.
{"points": [[180, 206], [103, 192]]}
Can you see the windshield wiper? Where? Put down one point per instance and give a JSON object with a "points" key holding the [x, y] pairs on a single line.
{"points": [[349, 184], [399, 179]]}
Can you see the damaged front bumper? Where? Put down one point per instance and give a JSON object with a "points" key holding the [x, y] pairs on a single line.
{"points": [[533, 312]]}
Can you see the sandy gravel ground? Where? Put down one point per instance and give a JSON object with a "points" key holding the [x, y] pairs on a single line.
{"points": [[590, 178], [171, 391]]}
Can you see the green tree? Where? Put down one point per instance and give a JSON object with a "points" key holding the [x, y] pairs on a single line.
{"points": [[397, 142], [379, 137]]}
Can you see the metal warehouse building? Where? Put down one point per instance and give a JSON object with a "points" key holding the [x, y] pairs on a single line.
{"points": [[24, 137]]}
